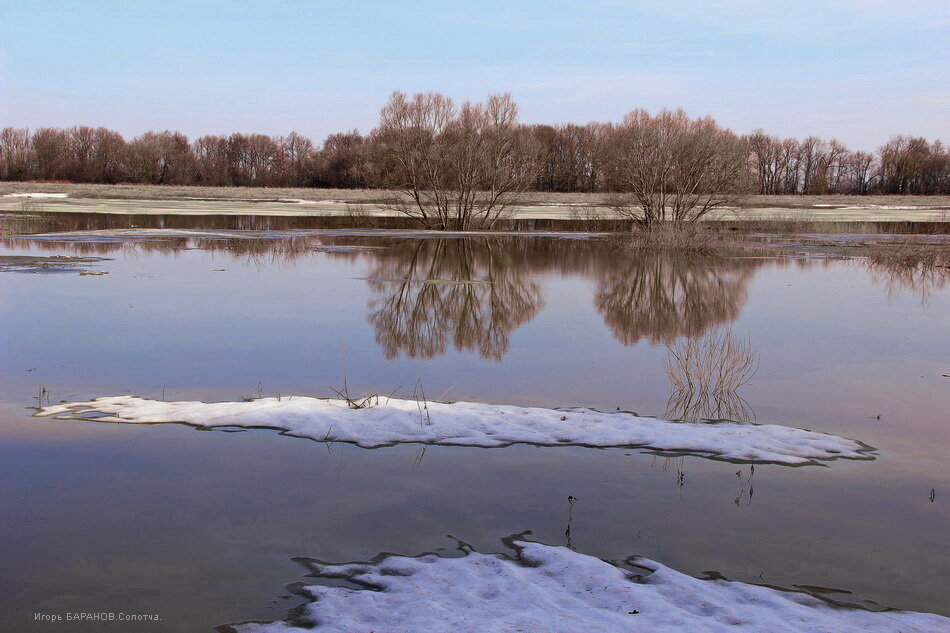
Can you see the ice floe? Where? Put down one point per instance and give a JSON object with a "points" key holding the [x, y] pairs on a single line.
{"points": [[544, 589], [388, 421], [50, 264]]}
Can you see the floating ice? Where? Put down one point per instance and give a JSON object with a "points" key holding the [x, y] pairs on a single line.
{"points": [[50, 264], [393, 421], [556, 590]]}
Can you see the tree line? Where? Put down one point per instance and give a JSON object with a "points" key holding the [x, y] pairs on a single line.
{"points": [[596, 157]]}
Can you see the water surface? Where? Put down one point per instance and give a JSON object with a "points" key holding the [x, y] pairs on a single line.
{"points": [[201, 527]]}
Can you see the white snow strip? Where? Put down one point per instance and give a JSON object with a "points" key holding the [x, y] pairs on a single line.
{"points": [[556, 590], [303, 201], [37, 195], [394, 421], [890, 207]]}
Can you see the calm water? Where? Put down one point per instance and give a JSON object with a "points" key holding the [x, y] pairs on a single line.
{"points": [[200, 527]]}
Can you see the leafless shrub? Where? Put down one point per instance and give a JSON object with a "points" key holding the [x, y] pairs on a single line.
{"points": [[589, 214], [669, 167], [683, 238], [28, 206], [358, 216], [456, 168], [705, 376]]}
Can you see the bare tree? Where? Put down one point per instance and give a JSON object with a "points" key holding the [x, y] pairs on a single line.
{"points": [[457, 168], [51, 149], [17, 158], [565, 157], [211, 160], [669, 167], [858, 173], [913, 166], [764, 153], [342, 161], [298, 156], [464, 167], [161, 158], [109, 156]]}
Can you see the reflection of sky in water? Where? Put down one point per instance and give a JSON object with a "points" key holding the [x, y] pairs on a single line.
{"points": [[201, 526]]}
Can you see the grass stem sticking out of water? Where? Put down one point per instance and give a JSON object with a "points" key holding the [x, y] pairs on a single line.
{"points": [[705, 376]]}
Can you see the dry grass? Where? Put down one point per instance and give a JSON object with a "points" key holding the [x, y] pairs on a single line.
{"points": [[900, 253], [705, 376], [684, 238], [589, 213], [918, 265]]}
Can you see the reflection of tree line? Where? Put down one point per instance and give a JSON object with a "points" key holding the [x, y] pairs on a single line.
{"points": [[661, 296], [36, 219], [468, 292], [473, 292], [276, 248]]}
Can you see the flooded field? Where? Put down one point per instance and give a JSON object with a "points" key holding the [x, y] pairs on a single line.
{"points": [[204, 528]]}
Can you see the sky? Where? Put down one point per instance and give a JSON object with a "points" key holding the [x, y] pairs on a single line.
{"points": [[856, 70]]}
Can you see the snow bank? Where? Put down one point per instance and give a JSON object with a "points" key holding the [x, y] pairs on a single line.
{"points": [[556, 590], [37, 195], [393, 421]]}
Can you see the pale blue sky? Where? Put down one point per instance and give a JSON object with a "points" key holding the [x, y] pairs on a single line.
{"points": [[860, 70]]}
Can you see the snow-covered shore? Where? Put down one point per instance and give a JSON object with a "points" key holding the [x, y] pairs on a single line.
{"points": [[394, 421], [556, 590]]}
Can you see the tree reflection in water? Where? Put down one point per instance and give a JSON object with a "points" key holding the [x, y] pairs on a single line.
{"points": [[429, 295], [662, 295], [684, 300], [470, 293]]}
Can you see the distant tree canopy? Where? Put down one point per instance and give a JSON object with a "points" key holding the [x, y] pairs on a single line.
{"points": [[484, 145]]}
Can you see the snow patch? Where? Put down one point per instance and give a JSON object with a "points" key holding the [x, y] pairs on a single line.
{"points": [[556, 590], [37, 195], [393, 421], [890, 207]]}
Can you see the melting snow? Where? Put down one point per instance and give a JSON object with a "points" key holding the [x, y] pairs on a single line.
{"points": [[36, 195], [556, 590], [394, 421]]}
